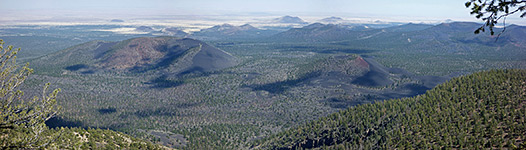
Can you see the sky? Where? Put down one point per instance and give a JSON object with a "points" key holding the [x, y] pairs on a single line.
{"points": [[427, 9]]}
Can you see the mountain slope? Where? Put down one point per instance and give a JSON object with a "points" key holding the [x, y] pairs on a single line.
{"points": [[227, 31], [453, 39], [165, 54], [482, 110], [317, 32], [322, 72], [78, 138], [408, 27]]}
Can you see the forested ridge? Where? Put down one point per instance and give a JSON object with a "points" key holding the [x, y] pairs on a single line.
{"points": [[79, 138], [482, 110]]}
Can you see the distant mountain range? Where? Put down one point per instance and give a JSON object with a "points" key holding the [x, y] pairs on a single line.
{"points": [[408, 27], [232, 32], [335, 32], [456, 32], [456, 37], [316, 32]]}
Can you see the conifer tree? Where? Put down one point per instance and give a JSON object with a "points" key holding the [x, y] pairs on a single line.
{"points": [[22, 121], [492, 11]]}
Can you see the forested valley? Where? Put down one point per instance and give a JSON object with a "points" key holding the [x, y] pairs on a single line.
{"points": [[278, 82]]}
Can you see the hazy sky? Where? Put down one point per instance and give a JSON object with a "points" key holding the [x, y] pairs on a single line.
{"points": [[436, 9], [443, 8]]}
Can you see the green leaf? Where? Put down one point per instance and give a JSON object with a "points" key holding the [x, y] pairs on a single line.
{"points": [[468, 4]]}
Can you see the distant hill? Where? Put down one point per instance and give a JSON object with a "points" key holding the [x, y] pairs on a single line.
{"points": [[289, 19], [331, 20], [456, 26], [160, 54], [227, 31], [144, 29], [116, 20], [353, 72], [516, 35], [513, 35], [325, 71], [409, 27], [484, 110], [317, 32], [175, 32]]}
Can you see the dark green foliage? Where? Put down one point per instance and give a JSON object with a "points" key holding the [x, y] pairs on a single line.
{"points": [[490, 11], [22, 119], [220, 136], [78, 138], [482, 110]]}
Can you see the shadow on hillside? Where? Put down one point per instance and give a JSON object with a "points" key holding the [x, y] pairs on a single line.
{"points": [[378, 74], [348, 51], [282, 86], [108, 110], [166, 111], [342, 103], [372, 79], [170, 57], [194, 70], [103, 49], [57, 122], [407, 90], [166, 81], [82, 68], [76, 67], [163, 82]]}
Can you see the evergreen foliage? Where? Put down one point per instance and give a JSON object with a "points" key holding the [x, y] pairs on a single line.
{"points": [[491, 11], [78, 138], [482, 110], [22, 121]]}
